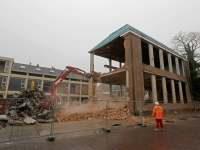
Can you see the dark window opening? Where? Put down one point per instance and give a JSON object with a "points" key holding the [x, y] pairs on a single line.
{"points": [[20, 73], [180, 67], [47, 86], [16, 84], [52, 77], [145, 53], [156, 57], [173, 64], [165, 59], [184, 92], [36, 75]]}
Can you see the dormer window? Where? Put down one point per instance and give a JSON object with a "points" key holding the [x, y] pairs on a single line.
{"points": [[38, 69], [22, 67]]}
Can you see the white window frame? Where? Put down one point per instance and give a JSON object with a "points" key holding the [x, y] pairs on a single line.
{"points": [[4, 80], [39, 84], [38, 69], [7, 66], [66, 86], [23, 81], [22, 67]]}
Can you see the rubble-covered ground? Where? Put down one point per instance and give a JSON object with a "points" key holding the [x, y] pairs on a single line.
{"points": [[29, 107], [118, 113]]}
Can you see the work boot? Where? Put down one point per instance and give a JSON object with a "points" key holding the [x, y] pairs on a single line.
{"points": [[156, 129]]}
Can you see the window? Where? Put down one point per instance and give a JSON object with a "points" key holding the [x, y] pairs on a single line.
{"points": [[38, 69], [22, 67], [34, 83], [1, 95], [3, 83], [63, 88], [51, 71], [74, 88], [47, 86], [7, 65], [16, 84], [23, 83]]}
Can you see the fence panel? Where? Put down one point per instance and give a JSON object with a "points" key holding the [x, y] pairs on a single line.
{"points": [[24, 117], [175, 112], [196, 109], [125, 113], [76, 115]]}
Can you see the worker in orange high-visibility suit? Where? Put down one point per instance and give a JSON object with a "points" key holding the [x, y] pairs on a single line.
{"points": [[158, 113]]}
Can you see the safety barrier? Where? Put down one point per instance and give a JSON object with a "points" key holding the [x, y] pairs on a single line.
{"points": [[196, 109], [73, 116], [30, 118], [22, 118]]}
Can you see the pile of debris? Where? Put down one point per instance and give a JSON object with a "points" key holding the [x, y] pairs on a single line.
{"points": [[119, 113], [32, 94], [28, 107]]}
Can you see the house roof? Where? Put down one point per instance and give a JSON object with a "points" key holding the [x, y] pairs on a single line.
{"points": [[43, 71], [127, 28]]}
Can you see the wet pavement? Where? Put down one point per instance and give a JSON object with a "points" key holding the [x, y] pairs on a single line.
{"points": [[181, 135]]}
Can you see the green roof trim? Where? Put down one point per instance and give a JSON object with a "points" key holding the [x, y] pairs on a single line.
{"points": [[124, 29]]}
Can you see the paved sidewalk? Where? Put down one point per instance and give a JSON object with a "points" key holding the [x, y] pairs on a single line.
{"points": [[181, 135]]}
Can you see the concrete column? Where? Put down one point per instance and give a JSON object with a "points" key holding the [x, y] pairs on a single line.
{"points": [[164, 90], [121, 92], [127, 85], [173, 91], [110, 91], [133, 61], [69, 86], [27, 75], [170, 62], [177, 66], [110, 64], [161, 59], [154, 89], [151, 56], [180, 92], [91, 79], [80, 90], [120, 64], [42, 83], [183, 68], [8, 77]]}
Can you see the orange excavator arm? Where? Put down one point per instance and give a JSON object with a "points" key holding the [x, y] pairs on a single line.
{"points": [[62, 76]]}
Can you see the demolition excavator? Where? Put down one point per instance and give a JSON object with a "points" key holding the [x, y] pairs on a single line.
{"points": [[63, 75]]}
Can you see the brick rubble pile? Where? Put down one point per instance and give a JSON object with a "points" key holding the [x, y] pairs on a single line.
{"points": [[119, 113]]}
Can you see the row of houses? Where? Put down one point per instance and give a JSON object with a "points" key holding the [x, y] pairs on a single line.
{"points": [[17, 77]]}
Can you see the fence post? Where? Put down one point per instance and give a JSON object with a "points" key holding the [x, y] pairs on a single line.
{"points": [[51, 136], [141, 122], [182, 117], [13, 117], [168, 120], [195, 110], [105, 128]]}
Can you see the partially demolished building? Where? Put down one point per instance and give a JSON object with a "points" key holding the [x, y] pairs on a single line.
{"points": [[145, 66]]}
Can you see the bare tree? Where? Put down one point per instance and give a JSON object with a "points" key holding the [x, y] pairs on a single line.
{"points": [[187, 44]]}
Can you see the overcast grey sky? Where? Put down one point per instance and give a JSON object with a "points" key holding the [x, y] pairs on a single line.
{"points": [[61, 32]]}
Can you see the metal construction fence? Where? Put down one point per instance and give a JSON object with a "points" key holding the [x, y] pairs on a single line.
{"points": [[22, 118]]}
